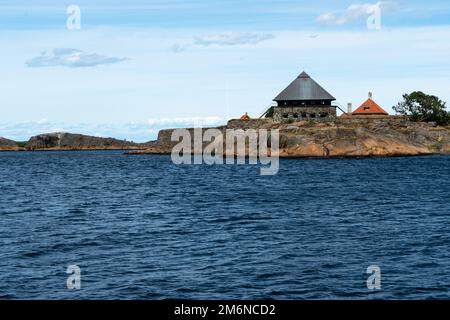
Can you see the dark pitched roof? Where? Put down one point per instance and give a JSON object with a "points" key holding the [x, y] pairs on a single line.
{"points": [[304, 88]]}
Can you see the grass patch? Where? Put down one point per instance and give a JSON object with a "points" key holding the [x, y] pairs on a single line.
{"points": [[21, 144]]}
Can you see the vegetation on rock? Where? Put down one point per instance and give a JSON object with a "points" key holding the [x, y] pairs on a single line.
{"points": [[419, 106]]}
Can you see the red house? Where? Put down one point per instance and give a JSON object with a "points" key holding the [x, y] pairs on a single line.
{"points": [[371, 108]]}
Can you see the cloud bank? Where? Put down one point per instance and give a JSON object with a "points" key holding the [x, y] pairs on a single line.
{"points": [[141, 131], [72, 58], [186, 121]]}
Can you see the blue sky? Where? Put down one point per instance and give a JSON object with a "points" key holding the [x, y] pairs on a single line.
{"points": [[135, 68]]}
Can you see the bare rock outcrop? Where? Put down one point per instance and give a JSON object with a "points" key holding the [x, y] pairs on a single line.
{"points": [[8, 145], [69, 141], [361, 137]]}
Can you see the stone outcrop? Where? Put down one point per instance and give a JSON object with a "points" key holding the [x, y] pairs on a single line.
{"points": [[69, 141], [8, 145], [341, 137]]}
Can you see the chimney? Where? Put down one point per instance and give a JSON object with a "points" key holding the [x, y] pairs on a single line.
{"points": [[349, 108], [370, 95]]}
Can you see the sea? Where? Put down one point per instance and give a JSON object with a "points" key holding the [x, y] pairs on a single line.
{"points": [[105, 225]]}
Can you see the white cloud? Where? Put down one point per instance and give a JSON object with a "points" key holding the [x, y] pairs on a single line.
{"points": [[72, 58], [232, 38], [224, 39], [327, 18], [178, 47], [186, 121]]}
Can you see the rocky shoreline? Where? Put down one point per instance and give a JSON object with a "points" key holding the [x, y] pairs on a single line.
{"points": [[362, 137], [67, 142], [341, 137]]}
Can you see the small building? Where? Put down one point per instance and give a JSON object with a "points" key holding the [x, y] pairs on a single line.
{"points": [[245, 117], [370, 108], [303, 99]]}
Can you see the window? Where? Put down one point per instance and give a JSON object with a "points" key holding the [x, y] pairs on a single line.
{"points": [[366, 108], [312, 115], [295, 115], [285, 115]]}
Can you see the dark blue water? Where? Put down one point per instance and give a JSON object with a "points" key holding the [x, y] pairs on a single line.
{"points": [[140, 227]]}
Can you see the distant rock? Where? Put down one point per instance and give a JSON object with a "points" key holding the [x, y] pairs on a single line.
{"points": [[69, 141], [8, 145]]}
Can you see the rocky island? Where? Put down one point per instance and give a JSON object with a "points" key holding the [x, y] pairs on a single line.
{"points": [[305, 116], [341, 137], [69, 141]]}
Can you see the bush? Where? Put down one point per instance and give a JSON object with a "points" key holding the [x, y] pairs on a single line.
{"points": [[269, 113], [21, 144]]}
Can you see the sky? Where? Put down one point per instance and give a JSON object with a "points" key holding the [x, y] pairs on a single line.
{"points": [[135, 67]]}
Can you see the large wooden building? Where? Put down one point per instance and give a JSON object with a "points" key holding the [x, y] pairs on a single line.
{"points": [[303, 99]]}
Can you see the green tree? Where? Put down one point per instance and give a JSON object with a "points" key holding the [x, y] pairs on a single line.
{"points": [[419, 106]]}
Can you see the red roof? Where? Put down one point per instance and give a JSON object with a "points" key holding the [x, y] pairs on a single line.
{"points": [[370, 107]]}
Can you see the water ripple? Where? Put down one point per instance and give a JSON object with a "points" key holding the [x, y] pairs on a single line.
{"points": [[143, 228]]}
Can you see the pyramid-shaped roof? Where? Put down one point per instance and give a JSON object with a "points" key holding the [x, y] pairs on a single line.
{"points": [[304, 88], [370, 107]]}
